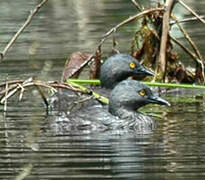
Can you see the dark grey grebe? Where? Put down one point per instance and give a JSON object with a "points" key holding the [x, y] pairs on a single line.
{"points": [[115, 69], [125, 99], [119, 67]]}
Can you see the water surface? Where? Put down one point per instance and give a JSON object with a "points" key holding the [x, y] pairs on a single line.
{"points": [[175, 150]]}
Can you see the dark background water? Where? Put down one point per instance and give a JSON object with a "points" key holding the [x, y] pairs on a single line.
{"points": [[174, 151]]}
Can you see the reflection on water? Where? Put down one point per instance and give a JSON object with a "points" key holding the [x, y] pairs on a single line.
{"points": [[66, 26], [174, 151]]}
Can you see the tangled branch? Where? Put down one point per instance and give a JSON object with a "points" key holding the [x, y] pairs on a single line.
{"points": [[10, 88], [27, 22]]}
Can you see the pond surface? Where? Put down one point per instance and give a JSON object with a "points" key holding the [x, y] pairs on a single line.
{"points": [[175, 150]]}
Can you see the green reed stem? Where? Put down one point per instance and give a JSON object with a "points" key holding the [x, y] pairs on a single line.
{"points": [[84, 89], [157, 84]]}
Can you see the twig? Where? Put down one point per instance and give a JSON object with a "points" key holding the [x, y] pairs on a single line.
{"points": [[137, 5], [130, 19], [22, 92], [192, 11], [195, 57], [198, 59], [7, 95], [11, 82], [5, 104], [10, 91], [188, 51], [25, 172], [27, 22], [164, 36], [42, 96], [186, 35], [65, 86], [51, 85], [75, 103], [186, 20]]}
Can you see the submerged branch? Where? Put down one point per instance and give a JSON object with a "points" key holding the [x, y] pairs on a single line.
{"points": [[27, 22], [25, 172]]}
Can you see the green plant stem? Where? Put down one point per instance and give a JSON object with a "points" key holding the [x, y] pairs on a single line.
{"points": [[157, 84], [96, 95]]}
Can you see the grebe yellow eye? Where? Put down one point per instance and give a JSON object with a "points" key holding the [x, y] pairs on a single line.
{"points": [[132, 65], [142, 93]]}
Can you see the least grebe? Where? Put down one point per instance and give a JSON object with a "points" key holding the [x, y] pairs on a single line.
{"points": [[115, 69], [128, 96], [119, 67], [125, 99]]}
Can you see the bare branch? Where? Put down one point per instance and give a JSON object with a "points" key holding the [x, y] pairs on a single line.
{"points": [[42, 96], [164, 36], [192, 11], [10, 91], [197, 56], [11, 82], [186, 35], [186, 20], [137, 5], [130, 19], [188, 51], [27, 22]]}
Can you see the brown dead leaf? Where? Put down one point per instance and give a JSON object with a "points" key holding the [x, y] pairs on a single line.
{"points": [[74, 65], [180, 75], [95, 66], [199, 77]]}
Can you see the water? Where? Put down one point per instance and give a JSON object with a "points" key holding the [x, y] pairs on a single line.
{"points": [[175, 150]]}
